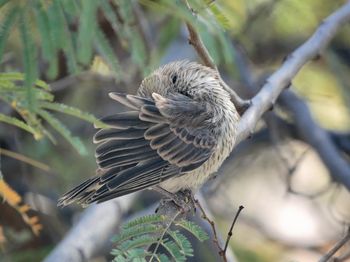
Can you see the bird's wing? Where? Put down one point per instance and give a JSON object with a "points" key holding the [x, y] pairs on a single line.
{"points": [[156, 140]]}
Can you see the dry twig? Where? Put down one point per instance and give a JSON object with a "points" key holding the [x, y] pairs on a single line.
{"points": [[229, 234], [195, 40], [88, 238], [282, 78], [222, 251], [336, 247]]}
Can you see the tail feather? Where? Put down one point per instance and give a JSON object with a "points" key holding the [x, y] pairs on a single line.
{"points": [[78, 192]]}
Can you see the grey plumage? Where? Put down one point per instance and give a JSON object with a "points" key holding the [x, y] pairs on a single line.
{"points": [[180, 127]]}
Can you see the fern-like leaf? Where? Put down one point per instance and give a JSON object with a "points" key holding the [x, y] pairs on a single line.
{"points": [[87, 22], [29, 61], [140, 241], [64, 131], [135, 231], [193, 228], [5, 28], [182, 242], [106, 51], [174, 250], [149, 219], [13, 76], [66, 38], [16, 122], [3, 2], [56, 24], [48, 47], [69, 110]]}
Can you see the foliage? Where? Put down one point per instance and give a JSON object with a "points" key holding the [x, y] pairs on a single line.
{"points": [[77, 29], [139, 239], [32, 107]]}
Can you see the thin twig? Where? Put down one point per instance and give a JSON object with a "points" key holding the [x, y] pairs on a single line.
{"points": [[336, 247], [25, 159], [80, 244], [163, 234], [197, 43], [222, 251], [229, 234], [212, 224]]}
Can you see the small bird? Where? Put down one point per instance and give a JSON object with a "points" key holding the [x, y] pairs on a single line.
{"points": [[179, 129]]}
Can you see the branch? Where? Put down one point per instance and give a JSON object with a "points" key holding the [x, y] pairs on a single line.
{"points": [[195, 40], [282, 78], [89, 236], [211, 229], [337, 246], [229, 234], [317, 137]]}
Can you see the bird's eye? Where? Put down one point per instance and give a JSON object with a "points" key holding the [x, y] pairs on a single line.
{"points": [[185, 93], [174, 78]]}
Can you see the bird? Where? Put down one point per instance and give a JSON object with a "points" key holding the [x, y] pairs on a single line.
{"points": [[177, 131]]}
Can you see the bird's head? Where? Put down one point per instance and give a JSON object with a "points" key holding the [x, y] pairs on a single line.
{"points": [[191, 79]]}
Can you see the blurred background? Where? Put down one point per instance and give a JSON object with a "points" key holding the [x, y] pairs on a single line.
{"points": [[82, 50]]}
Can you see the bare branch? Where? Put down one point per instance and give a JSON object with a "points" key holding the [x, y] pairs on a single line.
{"points": [[212, 225], [229, 234], [317, 137], [197, 43], [336, 247], [228, 255], [282, 78], [89, 236]]}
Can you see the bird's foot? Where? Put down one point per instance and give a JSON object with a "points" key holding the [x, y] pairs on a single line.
{"points": [[184, 199]]}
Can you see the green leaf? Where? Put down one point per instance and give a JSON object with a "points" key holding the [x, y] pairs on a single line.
{"points": [[13, 76], [69, 110], [56, 24], [162, 258], [135, 231], [105, 49], [194, 229], [71, 7], [29, 61], [64, 131], [140, 241], [174, 250], [182, 242], [87, 28], [111, 16], [5, 28], [228, 52], [210, 43], [59, 24], [138, 50], [119, 258], [19, 93], [149, 219], [16, 122], [3, 2], [48, 47], [137, 254], [168, 33], [220, 17]]}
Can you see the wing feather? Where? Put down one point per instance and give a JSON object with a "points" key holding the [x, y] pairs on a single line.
{"points": [[158, 139]]}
